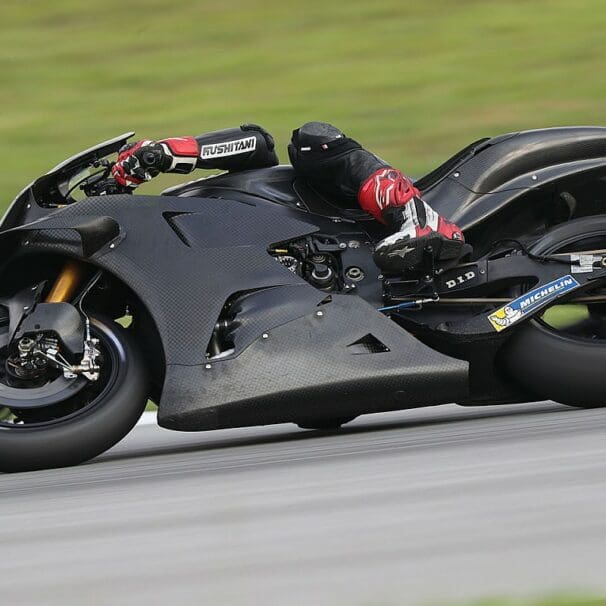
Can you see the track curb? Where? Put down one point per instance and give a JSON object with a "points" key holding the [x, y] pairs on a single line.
{"points": [[148, 418]]}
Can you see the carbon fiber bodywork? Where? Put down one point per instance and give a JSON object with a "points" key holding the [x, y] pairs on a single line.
{"points": [[477, 184], [185, 257], [311, 367]]}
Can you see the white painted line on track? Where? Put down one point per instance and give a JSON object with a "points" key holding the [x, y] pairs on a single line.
{"points": [[148, 418]]}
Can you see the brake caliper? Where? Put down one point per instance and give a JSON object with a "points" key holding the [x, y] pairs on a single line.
{"points": [[39, 353]]}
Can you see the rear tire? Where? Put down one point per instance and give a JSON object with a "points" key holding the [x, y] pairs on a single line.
{"points": [[552, 364], [555, 367], [100, 425]]}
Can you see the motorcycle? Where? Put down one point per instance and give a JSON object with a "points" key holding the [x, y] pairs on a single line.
{"points": [[246, 298]]}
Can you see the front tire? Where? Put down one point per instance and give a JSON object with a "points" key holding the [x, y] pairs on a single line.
{"points": [[101, 423]]}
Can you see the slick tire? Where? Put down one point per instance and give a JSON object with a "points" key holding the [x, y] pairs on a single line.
{"points": [[101, 424], [551, 364]]}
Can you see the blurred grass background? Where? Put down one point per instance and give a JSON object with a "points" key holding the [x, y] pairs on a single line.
{"points": [[413, 81], [550, 600]]}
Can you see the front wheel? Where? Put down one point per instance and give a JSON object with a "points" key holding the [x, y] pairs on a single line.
{"points": [[89, 420]]}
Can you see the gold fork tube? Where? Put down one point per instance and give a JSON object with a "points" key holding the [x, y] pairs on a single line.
{"points": [[66, 283]]}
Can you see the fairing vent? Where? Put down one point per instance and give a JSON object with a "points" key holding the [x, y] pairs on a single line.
{"points": [[368, 344], [170, 217]]}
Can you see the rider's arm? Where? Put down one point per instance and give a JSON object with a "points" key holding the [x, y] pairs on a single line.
{"points": [[245, 147], [143, 160]]}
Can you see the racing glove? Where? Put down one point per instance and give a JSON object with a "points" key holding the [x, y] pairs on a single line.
{"points": [[143, 160]]}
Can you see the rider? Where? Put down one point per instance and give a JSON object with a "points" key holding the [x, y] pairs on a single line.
{"points": [[335, 165]]}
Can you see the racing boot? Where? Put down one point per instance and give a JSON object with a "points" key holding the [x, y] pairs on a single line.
{"points": [[390, 197]]}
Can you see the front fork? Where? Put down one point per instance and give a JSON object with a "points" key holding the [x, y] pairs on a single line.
{"points": [[66, 285], [67, 282]]}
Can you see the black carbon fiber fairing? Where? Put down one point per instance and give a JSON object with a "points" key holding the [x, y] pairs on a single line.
{"points": [[185, 257], [490, 174], [342, 358]]}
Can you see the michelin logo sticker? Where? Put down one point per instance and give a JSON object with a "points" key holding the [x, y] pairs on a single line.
{"points": [[513, 312]]}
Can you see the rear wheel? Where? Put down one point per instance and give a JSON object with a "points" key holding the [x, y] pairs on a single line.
{"points": [[75, 421], [561, 355]]}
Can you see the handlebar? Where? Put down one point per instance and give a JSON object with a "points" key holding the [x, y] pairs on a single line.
{"points": [[100, 183]]}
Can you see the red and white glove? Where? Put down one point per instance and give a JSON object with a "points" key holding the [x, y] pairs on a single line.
{"points": [[142, 161]]}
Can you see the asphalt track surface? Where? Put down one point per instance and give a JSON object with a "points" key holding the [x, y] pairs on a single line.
{"points": [[433, 505]]}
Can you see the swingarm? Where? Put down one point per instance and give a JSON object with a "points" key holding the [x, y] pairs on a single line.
{"points": [[520, 285]]}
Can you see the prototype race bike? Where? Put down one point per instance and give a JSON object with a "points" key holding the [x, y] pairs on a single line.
{"points": [[246, 298]]}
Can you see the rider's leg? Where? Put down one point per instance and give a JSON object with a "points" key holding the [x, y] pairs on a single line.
{"points": [[390, 197], [332, 162], [342, 169]]}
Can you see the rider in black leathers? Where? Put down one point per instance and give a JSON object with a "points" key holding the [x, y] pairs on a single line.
{"points": [[337, 166]]}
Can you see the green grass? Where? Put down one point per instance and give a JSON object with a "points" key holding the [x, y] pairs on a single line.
{"points": [[558, 600], [413, 81], [562, 316]]}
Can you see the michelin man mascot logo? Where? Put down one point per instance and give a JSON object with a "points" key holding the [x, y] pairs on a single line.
{"points": [[505, 317]]}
